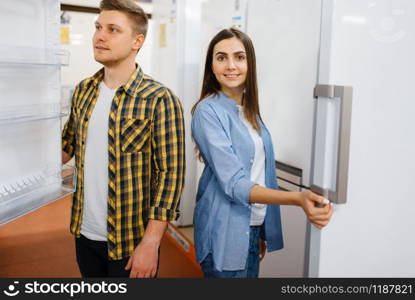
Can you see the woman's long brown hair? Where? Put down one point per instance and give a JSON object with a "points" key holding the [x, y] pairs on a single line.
{"points": [[212, 87]]}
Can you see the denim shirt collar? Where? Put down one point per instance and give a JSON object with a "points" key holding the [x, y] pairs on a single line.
{"points": [[229, 102], [233, 106]]}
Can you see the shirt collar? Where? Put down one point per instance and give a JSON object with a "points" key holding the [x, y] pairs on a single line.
{"points": [[132, 85], [230, 103]]}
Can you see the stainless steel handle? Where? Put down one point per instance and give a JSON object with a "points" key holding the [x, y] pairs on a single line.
{"points": [[326, 193], [345, 94]]}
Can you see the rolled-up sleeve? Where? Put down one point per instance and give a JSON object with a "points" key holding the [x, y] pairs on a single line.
{"points": [[168, 145], [218, 154]]}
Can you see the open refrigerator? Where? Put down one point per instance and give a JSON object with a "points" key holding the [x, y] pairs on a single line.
{"points": [[31, 172]]}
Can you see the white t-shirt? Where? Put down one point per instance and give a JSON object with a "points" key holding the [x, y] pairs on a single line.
{"points": [[258, 210], [94, 219]]}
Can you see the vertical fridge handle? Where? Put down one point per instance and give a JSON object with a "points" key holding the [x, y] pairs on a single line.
{"points": [[345, 94]]}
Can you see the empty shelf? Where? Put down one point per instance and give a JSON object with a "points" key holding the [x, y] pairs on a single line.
{"points": [[33, 56], [34, 191], [34, 112]]}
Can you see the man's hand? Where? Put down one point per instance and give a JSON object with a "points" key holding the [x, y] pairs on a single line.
{"points": [[65, 157], [143, 263]]}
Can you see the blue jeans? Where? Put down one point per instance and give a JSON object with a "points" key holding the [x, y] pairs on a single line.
{"points": [[252, 262]]}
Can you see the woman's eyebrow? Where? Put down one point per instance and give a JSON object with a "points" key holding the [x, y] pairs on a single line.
{"points": [[224, 53], [221, 53]]}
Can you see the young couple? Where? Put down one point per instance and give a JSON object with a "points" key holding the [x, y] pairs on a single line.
{"points": [[126, 132]]}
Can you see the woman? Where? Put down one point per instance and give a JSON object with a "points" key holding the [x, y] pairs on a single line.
{"points": [[237, 207]]}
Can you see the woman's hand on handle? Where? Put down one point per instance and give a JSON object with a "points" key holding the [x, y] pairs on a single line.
{"points": [[317, 208], [309, 201]]}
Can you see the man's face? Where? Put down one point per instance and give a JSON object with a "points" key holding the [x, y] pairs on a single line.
{"points": [[114, 40]]}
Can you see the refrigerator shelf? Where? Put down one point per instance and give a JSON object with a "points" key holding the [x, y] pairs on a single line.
{"points": [[35, 191], [34, 112], [12, 55]]}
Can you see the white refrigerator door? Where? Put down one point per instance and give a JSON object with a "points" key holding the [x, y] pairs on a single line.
{"points": [[368, 44]]}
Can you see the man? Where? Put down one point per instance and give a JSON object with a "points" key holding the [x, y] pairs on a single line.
{"points": [[126, 132]]}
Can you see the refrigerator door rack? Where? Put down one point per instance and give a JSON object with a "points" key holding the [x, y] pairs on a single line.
{"points": [[34, 112], [34, 191], [33, 56]]}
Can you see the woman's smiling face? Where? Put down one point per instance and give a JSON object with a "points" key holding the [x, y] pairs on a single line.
{"points": [[230, 65]]}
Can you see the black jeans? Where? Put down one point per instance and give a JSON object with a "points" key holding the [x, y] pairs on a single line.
{"points": [[92, 258]]}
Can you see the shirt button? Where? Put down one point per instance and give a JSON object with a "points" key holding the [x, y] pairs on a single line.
{"points": [[247, 232], [252, 161]]}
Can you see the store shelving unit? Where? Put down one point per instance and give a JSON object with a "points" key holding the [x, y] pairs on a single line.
{"points": [[31, 109]]}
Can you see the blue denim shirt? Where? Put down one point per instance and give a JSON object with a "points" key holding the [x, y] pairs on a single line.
{"points": [[223, 211]]}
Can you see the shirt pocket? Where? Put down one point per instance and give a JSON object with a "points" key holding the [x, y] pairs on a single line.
{"points": [[135, 134]]}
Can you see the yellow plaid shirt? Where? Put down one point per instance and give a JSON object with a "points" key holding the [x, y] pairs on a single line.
{"points": [[146, 158]]}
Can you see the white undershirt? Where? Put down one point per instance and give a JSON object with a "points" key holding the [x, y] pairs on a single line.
{"points": [[258, 211], [94, 219]]}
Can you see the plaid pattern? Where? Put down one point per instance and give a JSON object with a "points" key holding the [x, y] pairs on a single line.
{"points": [[146, 157]]}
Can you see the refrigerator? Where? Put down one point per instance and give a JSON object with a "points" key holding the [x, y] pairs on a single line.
{"points": [[31, 108], [369, 166], [335, 81]]}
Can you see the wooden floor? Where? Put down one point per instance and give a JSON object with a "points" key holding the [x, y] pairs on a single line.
{"points": [[40, 245]]}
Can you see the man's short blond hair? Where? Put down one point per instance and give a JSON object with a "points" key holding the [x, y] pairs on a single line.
{"points": [[134, 12]]}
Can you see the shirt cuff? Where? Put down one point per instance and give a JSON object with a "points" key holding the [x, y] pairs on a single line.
{"points": [[163, 214], [243, 190]]}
